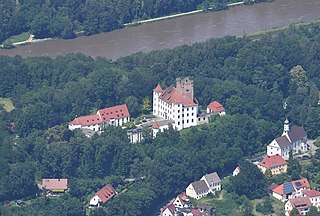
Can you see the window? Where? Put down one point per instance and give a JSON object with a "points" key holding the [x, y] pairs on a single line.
{"points": [[187, 114], [178, 111], [178, 123], [191, 120], [192, 114], [187, 120], [178, 116], [187, 109], [182, 121]]}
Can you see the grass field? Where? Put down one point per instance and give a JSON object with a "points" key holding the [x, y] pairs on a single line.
{"points": [[19, 38], [7, 104]]}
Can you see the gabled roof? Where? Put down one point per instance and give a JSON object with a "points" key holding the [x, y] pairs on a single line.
{"points": [[215, 106], [86, 120], [199, 186], [183, 198], [311, 193], [272, 161], [172, 96], [170, 207], [158, 89], [290, 187], [116, 112], [301, 202], [212, 178], [195, 212], [296, 133], [106, 193], [285, 188], [283, 141], [155, 125], [301, 183], [55, 184]]}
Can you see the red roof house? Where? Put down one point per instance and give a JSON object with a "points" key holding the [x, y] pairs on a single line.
{"points": [[275, 163], [215, 107], [55, 185], [302, 204], [155, 125], [103, 195]]}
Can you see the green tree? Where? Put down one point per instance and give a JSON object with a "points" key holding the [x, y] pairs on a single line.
{"points": [[249, 173], [146, 105], [313, 211]]}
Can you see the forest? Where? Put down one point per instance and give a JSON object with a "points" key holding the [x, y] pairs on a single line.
{"points": [[253, 79], [65, 18]]}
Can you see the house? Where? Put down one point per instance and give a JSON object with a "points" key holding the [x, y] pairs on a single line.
{"points": [[289, 190], [176, 103], [313, 195], [236, 171], [115, 116], [216, 107], [275, 163], [292, 139], [302, 204], [197, 189], [55, 187], [213, 182], [169, 210], [103, 195], [181, 201]]}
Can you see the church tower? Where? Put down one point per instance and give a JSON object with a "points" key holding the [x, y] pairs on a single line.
{"points": [[286, 127]]}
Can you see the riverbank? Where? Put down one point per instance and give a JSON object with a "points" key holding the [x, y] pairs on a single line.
{"points": [[177, 15], [279, 29]]}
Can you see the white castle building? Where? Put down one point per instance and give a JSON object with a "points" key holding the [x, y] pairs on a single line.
{"points": [[176, 103]]}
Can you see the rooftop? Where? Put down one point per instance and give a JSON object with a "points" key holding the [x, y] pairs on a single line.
{"points": [[272, 161], [55, 184], [106, 193]]}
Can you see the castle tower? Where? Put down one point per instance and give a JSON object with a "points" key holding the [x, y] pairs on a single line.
{"points": [[185, 86], [156, 102], [286, 127]]}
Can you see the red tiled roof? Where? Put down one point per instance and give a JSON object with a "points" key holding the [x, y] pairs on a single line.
{"points": [[55, 184], [171, 208], [298, 184], [301, 202], [301, 183], [155, 125], [116, 112], [158, 89], [311, 193], [172, 96], [183, 198], [103, 115], [215, 106], [272, 187], [195, 212], [86, 120], [106, 193], [272, 161]]}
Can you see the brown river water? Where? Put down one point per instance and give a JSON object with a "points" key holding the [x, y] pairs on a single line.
{"points": [[178, 31]]}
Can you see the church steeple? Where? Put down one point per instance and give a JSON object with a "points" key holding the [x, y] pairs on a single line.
{"points": [[286, 127]]}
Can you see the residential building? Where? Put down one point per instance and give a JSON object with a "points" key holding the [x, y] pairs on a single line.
{"points": [[292, 139], [54, 187], [169, 210], [302, 204], [176, 103], [275, 163], [236, 171], [216, 107], [291, 189], [181, 201], [103, 195], [213, 182], [197, 189], [135, 135], [115, 116], [314, 197]]}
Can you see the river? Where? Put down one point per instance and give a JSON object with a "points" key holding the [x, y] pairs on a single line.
{"points": [[174, 32]]}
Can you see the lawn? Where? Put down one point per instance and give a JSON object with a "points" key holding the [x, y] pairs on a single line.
{"points": [[19, 38], [7, 104]]}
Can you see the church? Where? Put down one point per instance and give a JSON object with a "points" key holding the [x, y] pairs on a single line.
{"points": [[292, 139]]}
